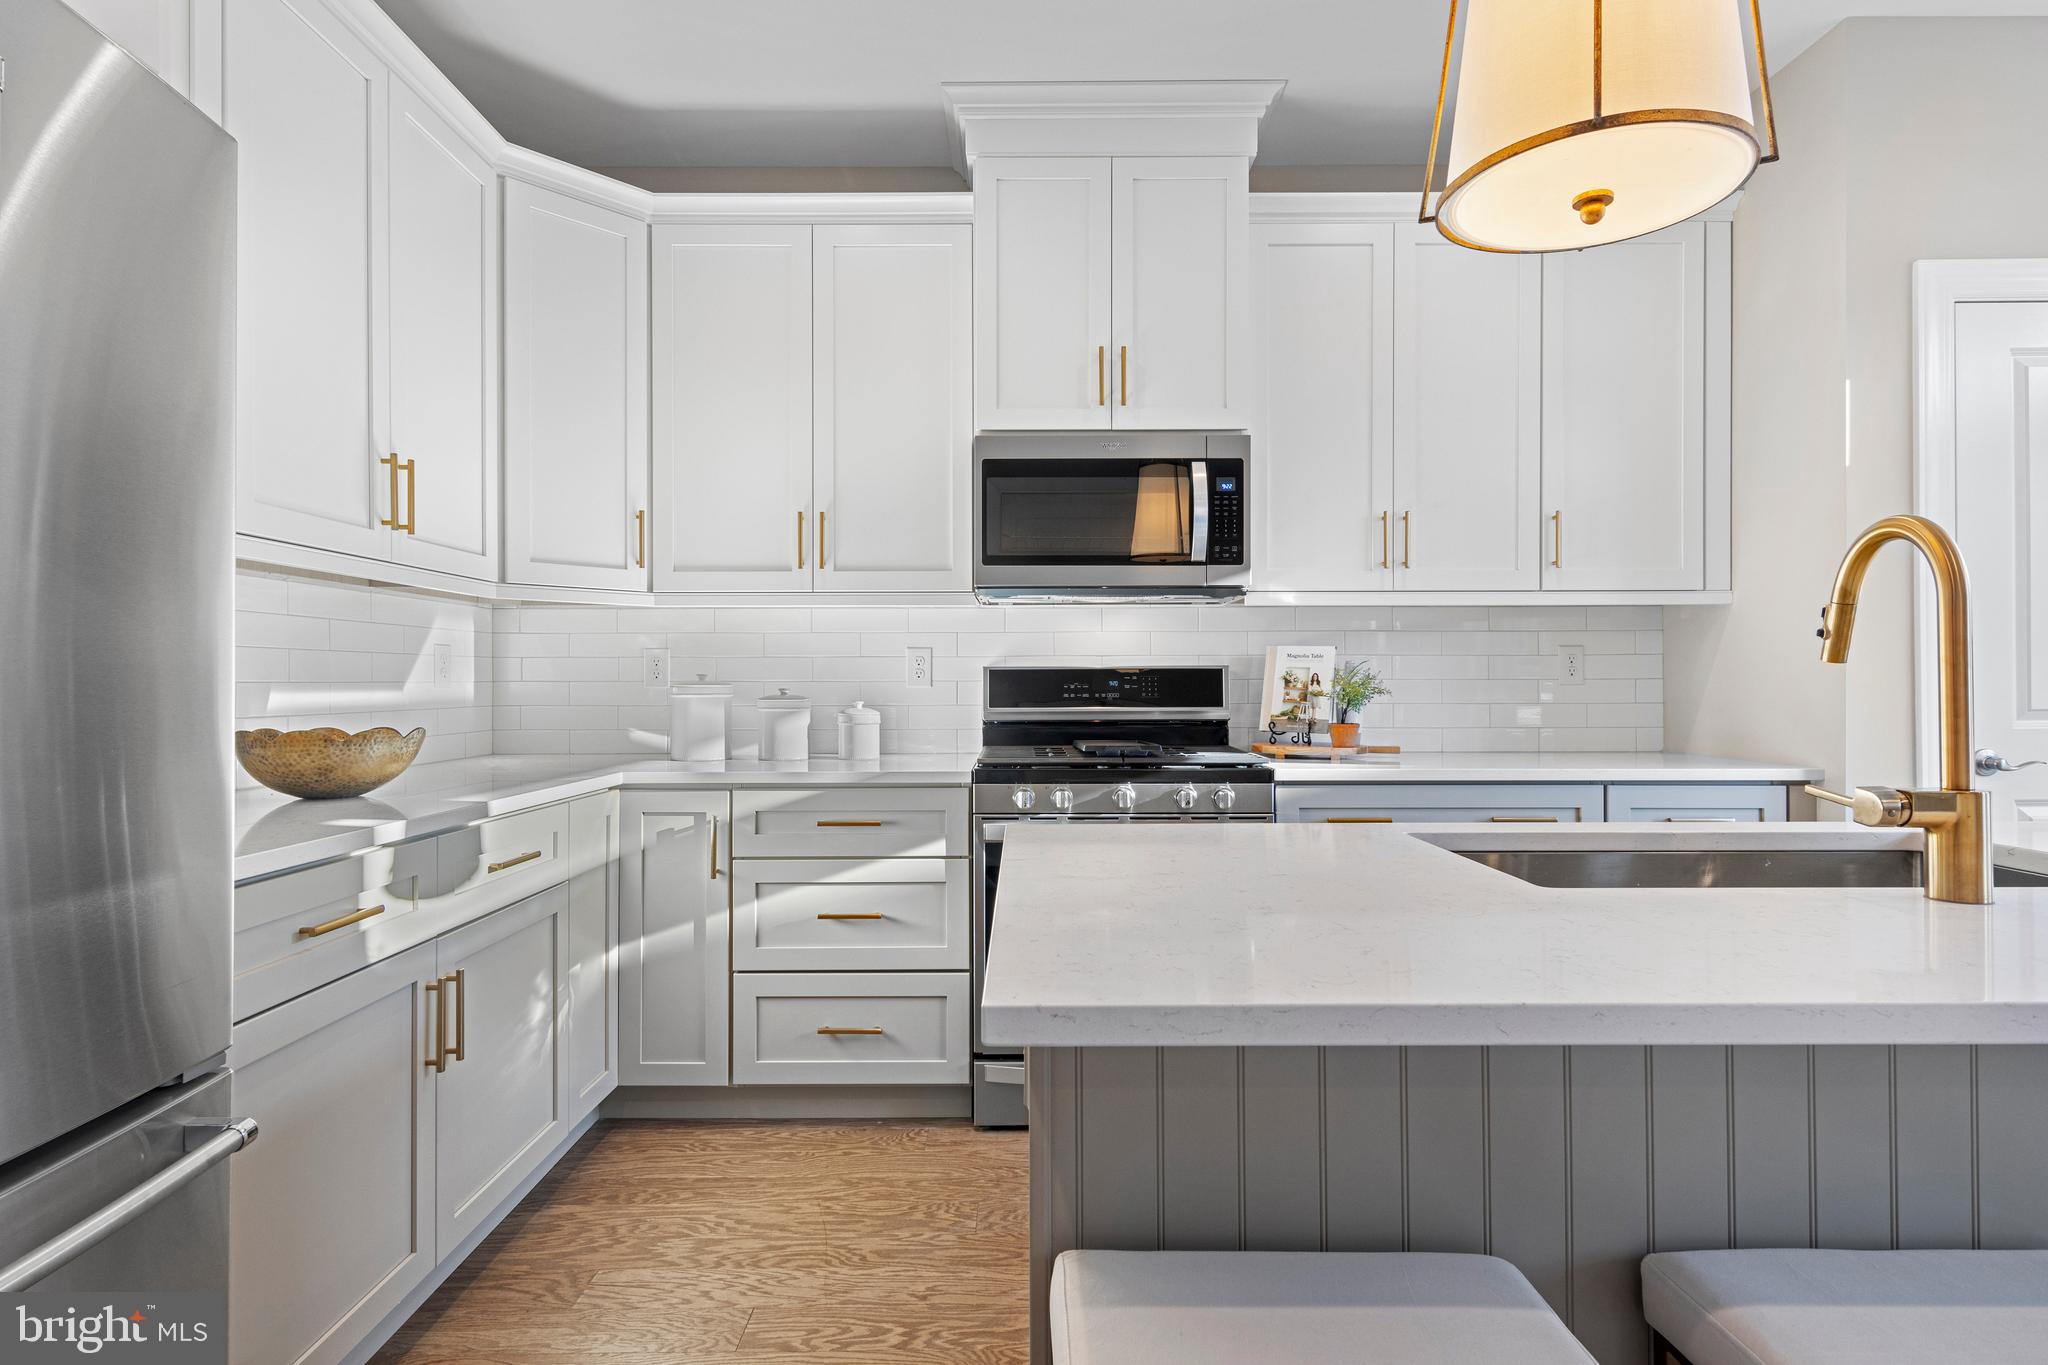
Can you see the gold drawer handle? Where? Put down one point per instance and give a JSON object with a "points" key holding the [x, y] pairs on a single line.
{"points": [[849, 824], [830, 1032], [513, 862], [1358, 819], [1700, 820], [315, 930], [1523, 819], [439, 1060], [842, 914], [455, 978]]}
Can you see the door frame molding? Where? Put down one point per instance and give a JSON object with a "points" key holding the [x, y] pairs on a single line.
{"points": [[1939, 286]]}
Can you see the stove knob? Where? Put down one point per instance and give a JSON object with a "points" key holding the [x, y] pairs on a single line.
{"points": [[1062, 799], [1125, 796], [1225, 798], [1186, 797], [1023, 798]]}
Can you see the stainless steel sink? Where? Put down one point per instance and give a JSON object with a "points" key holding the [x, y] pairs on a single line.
{"points": [[1706, 868]]}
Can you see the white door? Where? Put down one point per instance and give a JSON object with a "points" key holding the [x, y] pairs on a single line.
{"points": [[1042, 293], [444, 342], [575, 392], [2001, 524], [593, 1049], [675, 935], [499, 1106], [305, 101], [1468, 416], [1181, 314], [1624, 432], [1322, 449], [892, 408], [732, 409], [331, 1211]]}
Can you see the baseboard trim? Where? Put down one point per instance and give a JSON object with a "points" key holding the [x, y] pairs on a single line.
{"points": [[790, 1102]]}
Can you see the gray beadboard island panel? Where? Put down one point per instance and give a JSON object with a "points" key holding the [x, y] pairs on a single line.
{"points": [[1571, 1162]]}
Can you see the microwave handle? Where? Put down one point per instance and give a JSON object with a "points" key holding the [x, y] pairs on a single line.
{"points": [[1199, 517]]}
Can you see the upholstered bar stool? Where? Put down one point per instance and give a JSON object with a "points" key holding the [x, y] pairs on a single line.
{"points": [[1848, 1307], [1301, 1308]]}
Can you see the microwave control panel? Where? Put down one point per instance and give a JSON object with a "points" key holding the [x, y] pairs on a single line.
{"points": [[1226, 512]]}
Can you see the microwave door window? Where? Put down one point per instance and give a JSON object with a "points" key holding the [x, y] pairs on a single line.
{"points": [[1086, 512], [1160, 530]]}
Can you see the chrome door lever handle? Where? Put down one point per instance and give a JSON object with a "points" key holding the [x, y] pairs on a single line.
{"points": [[1990, 763]]}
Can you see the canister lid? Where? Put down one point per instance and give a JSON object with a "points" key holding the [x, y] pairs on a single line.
{"points": [[783, 700], [860, 714], [703, 687]]}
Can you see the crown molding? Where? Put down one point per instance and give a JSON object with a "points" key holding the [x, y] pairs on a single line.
{"points": [[534, 168], [1104, 118]]}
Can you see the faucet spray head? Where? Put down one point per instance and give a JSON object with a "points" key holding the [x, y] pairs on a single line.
{"points": [[1838, 619]]}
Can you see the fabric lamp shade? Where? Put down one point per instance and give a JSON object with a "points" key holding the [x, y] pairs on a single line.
{"points": [[1580, 122]]}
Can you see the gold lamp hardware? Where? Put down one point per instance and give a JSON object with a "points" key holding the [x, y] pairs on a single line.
{"points": [[830, 1032], [640, 539], [1101, 385], [1557, 540], [1537, 79], [1123, 376], [714, 848], [455, 979], [512, 862], [1956, 817], [799, 539], [847, 914], [439, 1060], [315, 930], [1407, 540], [1386, 541]]}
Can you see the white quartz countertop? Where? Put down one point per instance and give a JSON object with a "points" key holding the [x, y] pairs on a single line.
{"points": [[1499, 767], [2022, 844], [1243, 935], [274, 833]]}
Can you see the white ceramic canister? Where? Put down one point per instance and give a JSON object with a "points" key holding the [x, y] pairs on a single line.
{"points": [[860, 732], [785, 727], [697, 714]]}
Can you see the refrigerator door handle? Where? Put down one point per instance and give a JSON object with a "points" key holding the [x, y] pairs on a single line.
{"points": [[207, 1144]]}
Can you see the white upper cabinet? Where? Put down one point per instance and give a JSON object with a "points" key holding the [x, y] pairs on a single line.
{"points": [[732, 409], [1112, 292], [1323, 439], [1624, 414], [892, 395], [1042, 293], [1182, 296], [444, 343], [1468, 375], [305, 101], [575, 392]]}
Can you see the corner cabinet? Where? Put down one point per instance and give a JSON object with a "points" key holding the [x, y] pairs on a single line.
{"points": [[811, 408], [576, 392], [675, 935], [1112, 292]]}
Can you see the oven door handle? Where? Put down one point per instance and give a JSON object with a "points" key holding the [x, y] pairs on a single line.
{"points": [[992, 830], [1198, 517]]}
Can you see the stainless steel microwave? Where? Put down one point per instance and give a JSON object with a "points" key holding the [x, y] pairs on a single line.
{"points": [[1097, 515]]}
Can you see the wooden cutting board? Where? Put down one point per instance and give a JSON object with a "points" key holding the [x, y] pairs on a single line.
{"points": [[1322, 751]]}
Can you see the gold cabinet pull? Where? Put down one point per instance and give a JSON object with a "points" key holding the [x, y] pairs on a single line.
{"points": [[1523, 819], [1123, 376], [412, 500], [821, 540], [640, 539], [831, 1032], [439, 1060], [849, 824], [1557, 540], [1407, 540], [513, 862], [1700, 820], [1101, 384], [1358, 819], [799, 539], [847, 914], [1386, 541], [455, 979], [714, 848], [411, 495], [356, 917]]}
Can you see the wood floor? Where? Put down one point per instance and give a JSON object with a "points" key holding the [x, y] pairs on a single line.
{"points": [[659, 1243]]}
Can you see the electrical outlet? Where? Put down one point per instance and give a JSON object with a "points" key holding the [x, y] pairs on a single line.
{"points": [[1571, 663], [444, 663], [920, 666], [654, 667]]}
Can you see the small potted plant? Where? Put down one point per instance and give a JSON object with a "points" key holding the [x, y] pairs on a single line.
{"points": [[1352, 686]]}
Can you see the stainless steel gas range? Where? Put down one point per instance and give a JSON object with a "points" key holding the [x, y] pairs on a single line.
{"points": [[1101, 745]]}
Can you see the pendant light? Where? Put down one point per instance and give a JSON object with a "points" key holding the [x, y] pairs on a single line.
{"points": [[1582, 122]]}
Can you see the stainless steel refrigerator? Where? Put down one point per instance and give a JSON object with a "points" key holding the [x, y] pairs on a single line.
{"points": [[117, 269]]}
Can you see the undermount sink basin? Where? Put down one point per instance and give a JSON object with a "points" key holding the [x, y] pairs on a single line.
{"points": [[1706, 868]]}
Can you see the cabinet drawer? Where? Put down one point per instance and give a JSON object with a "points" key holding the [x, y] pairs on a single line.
{"points": [[1696, 803], [849, 1028], [303, 929], [828, 914], [503, 860], [900, 822], [1442, 803]]}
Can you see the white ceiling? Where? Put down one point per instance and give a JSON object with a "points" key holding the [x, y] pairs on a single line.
{"points": [[855, 82]]}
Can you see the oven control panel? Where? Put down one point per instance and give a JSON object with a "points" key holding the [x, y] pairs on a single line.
{"points": [[1226, 512], [1144, 796]]}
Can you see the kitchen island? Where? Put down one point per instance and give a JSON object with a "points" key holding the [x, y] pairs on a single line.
{"points": [[1359, 1038]]}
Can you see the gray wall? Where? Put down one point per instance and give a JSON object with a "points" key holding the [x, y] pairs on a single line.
{"points": [[1573, 1163]]}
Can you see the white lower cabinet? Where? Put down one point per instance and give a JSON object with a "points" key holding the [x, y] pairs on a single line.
{"points": [[850, 1028], [593, 951], [832, 914], [1696, 803], [332, 1209], [675, 851], [1390, 803]]}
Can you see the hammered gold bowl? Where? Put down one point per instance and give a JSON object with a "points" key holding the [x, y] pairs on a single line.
{"points": [[326, 763]]}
